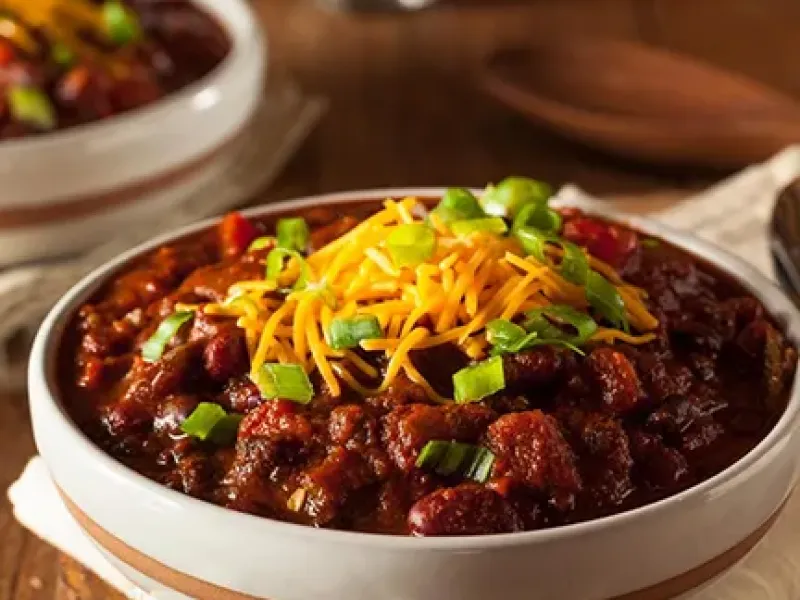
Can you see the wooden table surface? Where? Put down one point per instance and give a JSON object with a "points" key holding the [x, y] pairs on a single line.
{"points": [[403, 111]]}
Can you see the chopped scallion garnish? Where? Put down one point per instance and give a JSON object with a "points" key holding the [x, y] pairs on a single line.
{"points": [[574, 266], [210, 422], [503, 334], [265, 241], [154, 347], [122, 24], [493, 225], [540, 217], [650, 243], [508, 197], [62, 55], [458, 204], [479, 380], [549, 322], [450, 458], [293, 234], [411, 244], [31, 106], [606, 300], [285, 382], [348, 332], [507, 337], [275, 266]]}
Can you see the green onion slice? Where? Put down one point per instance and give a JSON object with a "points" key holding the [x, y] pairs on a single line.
{"points": [[262, 242], [504, 334], [507, 197], [549, 322], [606, 300], [293, 234], [650, 243], [450, 458], [411, 244], [62, 54], [479, 380], [31, 106], [538, 216], [574, 266], [348, 332], [210, 422], [508, 338], [493, 225], [458, 204], [154, 347], [286, 382], [275, 266], [122, 24]]}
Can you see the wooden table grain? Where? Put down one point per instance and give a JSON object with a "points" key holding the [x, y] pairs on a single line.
{"points": [[404, 111]]}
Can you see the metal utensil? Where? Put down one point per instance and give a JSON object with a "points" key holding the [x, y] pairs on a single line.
{"points": [[785, 239]]}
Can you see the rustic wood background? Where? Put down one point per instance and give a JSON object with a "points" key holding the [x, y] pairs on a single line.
{"points": [[403, 111]]}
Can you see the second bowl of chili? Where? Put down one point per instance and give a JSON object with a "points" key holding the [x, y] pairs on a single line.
{"points": [[109, 109]]}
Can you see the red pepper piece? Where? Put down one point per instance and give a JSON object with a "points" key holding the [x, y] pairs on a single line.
{"points": [[236, 234], [6, 53]]}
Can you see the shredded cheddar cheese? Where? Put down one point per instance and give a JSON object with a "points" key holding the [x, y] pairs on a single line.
{"points": [[448, 299]]}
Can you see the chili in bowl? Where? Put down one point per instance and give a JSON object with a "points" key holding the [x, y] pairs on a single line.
{"points": [[480, 385], [123, 103]]}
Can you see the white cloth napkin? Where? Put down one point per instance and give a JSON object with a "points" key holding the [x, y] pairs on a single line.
{"points": [[734, 214]]}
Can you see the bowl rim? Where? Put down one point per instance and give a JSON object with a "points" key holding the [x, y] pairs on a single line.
{"points": [[42, 378], [162, 108]]}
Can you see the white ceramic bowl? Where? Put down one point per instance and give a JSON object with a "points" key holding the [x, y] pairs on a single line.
{"points": [[65, 191], [178, 547]]}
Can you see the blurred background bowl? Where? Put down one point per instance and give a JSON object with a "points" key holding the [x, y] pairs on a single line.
{"points": [[66, 191]]}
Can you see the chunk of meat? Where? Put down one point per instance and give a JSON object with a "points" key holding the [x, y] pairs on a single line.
{"points": [[353, 427], [679, 412], [662, 377], [402, 391], [530, 449], [615, 376], [211, 283], [330, 484], [246, 486], [152, 382], [468, 509], [525, 371], [196, 474], [607, 460], [660, 466], [277, 420], [406, 429]]}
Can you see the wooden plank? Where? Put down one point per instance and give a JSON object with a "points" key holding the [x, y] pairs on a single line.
{"points": [[757, 38], [17, 447]]}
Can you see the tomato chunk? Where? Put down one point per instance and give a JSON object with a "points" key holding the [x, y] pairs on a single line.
{"points": [[607, 242]]}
